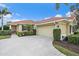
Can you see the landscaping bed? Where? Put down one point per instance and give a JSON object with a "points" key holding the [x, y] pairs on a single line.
{"points": [[5, 34], [74, 39], [67, 48], [26, 33]]}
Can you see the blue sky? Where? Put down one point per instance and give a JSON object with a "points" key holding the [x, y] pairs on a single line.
{"points": [[35, 11]]}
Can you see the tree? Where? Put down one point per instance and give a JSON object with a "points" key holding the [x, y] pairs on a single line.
{"points": [[3, 13], [74, 9], [58, 5]]}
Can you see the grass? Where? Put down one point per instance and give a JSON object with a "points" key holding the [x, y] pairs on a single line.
{"points": [[65, 50], [4, 37]]}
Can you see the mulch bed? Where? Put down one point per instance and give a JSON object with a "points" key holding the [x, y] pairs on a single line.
{"points": [[69, 46]]}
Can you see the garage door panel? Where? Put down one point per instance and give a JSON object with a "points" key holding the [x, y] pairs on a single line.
{"points": [[45, 31]]}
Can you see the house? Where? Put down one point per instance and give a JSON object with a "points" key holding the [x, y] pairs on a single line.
{"points": [[46, 26], [18, 26]]}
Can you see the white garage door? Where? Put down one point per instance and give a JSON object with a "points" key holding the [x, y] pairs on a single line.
{"points": [[45, 31]]}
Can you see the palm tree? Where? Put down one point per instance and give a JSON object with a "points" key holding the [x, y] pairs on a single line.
{"points": [[3, 13], [59, 4], [74, 9], [72, 6]]}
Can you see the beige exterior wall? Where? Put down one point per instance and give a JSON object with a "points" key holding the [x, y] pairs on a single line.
{"points": [[64, 28], [45, 30], [19, 28]]}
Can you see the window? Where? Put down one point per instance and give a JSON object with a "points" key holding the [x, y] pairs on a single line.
{"points": [[24, 27], [27, 27], [70, 28]]}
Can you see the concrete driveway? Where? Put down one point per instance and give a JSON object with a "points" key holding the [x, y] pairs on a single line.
{"points": [[28, 46]]}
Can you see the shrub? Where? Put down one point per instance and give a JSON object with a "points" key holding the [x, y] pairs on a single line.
{"points": [[5, 27], [18, 33], [34, 31], [74, 39], [5, 32], [25, 33], [30, 32], [76, 32], [57, 34]]}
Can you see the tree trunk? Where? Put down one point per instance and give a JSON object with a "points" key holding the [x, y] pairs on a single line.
{"points": [[2, 24]]}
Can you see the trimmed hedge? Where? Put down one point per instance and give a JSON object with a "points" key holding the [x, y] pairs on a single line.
{"points": [[34, 31], [57, 34], [5, 32], [74, 39], [26, 33]]}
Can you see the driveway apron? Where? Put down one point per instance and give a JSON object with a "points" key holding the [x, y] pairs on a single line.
{"points": [[28, 46]]}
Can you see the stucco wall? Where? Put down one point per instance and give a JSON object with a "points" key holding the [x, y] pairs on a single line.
{"points": [[19, 28], [63, 27], [45, 30]]}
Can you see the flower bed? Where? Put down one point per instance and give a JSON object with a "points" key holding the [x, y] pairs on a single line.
{"points": [[67, 48]]}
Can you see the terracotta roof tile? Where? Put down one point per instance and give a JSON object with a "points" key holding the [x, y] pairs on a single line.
{"points": [[42, 21], [54, 19], [23, 22]]}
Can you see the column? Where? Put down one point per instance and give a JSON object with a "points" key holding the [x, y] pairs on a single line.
{"points": [[10, 27], [19, 28]]}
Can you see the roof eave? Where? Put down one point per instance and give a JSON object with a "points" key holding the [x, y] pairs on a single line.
{"points": [[52, 22]]}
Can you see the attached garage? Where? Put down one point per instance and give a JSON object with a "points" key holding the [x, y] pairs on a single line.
{"points": [[45, 30]]}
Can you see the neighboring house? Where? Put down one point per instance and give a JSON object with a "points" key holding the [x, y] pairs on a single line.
{"points": [[19, 25], [46, 26]]}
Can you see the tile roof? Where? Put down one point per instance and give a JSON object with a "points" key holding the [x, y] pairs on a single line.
{"points": [[42, 21], [23, 22], [54, 19]]}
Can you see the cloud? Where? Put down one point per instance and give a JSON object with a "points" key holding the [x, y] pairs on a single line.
{"points": [[2, 5], [68, 14], [47, 17], [14, 20], [58, 15], [5, 20], [8, 16], [17, 14]]}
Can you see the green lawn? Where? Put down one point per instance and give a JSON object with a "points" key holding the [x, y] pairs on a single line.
{"points": [[65, 51], [4, 37]]}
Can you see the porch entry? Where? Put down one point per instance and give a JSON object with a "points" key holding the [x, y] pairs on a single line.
{"points": [[14, 28]]}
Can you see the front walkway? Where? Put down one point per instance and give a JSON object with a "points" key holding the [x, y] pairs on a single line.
{"points": [[28, 46]]}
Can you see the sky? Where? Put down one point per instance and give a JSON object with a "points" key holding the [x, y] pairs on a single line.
{"points": [[34, 11]]}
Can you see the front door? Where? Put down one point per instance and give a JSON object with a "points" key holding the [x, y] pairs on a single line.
{"points": [[13, 28]]}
